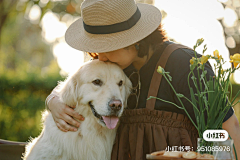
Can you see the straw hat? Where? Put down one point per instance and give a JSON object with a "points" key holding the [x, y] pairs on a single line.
{"points": [[108, 25]]}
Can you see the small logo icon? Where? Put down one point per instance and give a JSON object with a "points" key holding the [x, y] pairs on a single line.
{"points": [[215, 135]]}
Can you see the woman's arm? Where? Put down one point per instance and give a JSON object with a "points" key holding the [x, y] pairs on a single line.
{"points": [[63, 115], [232, 127]]}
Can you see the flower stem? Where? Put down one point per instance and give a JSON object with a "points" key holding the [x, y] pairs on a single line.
{"points": [[180, 101]]}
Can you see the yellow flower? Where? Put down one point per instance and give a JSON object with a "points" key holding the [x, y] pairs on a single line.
{"points": [[192, 61], [204, 59], [216, 55], [160, 70], [235, 59]]}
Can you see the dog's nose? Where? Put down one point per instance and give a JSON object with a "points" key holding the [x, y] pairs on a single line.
{"points": [[115, 105]]}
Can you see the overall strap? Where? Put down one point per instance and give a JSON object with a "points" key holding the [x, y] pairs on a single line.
{"points": [[156, 78]]}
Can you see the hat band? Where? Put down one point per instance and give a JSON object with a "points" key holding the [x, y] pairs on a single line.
{"points": [[118, 27]]}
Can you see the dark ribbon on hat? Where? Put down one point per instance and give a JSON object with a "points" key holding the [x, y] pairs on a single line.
{"points": [[113, 28]]}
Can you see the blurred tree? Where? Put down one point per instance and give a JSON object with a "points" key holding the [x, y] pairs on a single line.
{"points": [[28, 70], [232, 32], [10, 7], [6, 6]]}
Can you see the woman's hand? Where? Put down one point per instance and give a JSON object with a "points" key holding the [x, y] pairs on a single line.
{"points": [[63, 115]]}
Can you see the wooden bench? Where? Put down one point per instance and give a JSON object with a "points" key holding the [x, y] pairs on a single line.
{"points": [[10, 150]]}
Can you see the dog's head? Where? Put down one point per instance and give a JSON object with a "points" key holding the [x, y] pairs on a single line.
{"points": [[101, 88]]}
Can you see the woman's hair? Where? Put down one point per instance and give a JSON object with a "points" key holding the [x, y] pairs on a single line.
{"points": [[154, 40]]}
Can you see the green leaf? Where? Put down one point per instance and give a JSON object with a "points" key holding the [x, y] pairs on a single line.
{"points": [[193, 78], [194, 101], [180, 95], [192, 67], [169, 77]]}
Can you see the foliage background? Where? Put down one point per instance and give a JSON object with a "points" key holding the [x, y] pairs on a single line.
{"points": [[28, 69]]}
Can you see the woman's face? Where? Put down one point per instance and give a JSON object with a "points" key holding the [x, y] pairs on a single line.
{"points": [[122, 57]]}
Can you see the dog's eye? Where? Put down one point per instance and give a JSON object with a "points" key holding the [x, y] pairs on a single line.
{"points": [[97, 82], [120, 83]]}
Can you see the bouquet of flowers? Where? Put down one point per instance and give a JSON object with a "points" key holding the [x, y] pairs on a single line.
{"points": [[213, 95]]}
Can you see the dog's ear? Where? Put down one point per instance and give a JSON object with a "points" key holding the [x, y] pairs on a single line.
{"points": [[68, 89], [128, 88]]}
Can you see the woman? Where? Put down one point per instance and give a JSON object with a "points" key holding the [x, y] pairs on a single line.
{"points": [[130, 35]]}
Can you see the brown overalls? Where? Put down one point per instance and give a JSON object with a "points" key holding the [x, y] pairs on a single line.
{"points": [[143, 131]]}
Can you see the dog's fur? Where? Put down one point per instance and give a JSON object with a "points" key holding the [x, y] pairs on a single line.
{"points": [[93, 140]]}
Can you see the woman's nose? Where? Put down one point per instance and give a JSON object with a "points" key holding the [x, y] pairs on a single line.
{"points": [[102, 57]]}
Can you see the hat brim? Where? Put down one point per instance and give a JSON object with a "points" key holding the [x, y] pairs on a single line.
{"points": [[81, 40]]}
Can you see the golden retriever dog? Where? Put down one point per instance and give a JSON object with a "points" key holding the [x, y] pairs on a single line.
{"points": [[99, 90]]}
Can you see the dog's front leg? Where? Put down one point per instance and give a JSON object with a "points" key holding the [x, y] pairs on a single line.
{"points": [[45, 145]]}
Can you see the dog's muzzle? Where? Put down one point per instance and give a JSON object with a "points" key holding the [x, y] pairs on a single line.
{"points": [[95, 113], [112, 119], [115, 105]]}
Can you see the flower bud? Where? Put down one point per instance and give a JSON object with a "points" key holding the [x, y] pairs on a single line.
{"points": [[216, 54], [235, 59], [200, 41], [192, 61], [160, 70]]}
